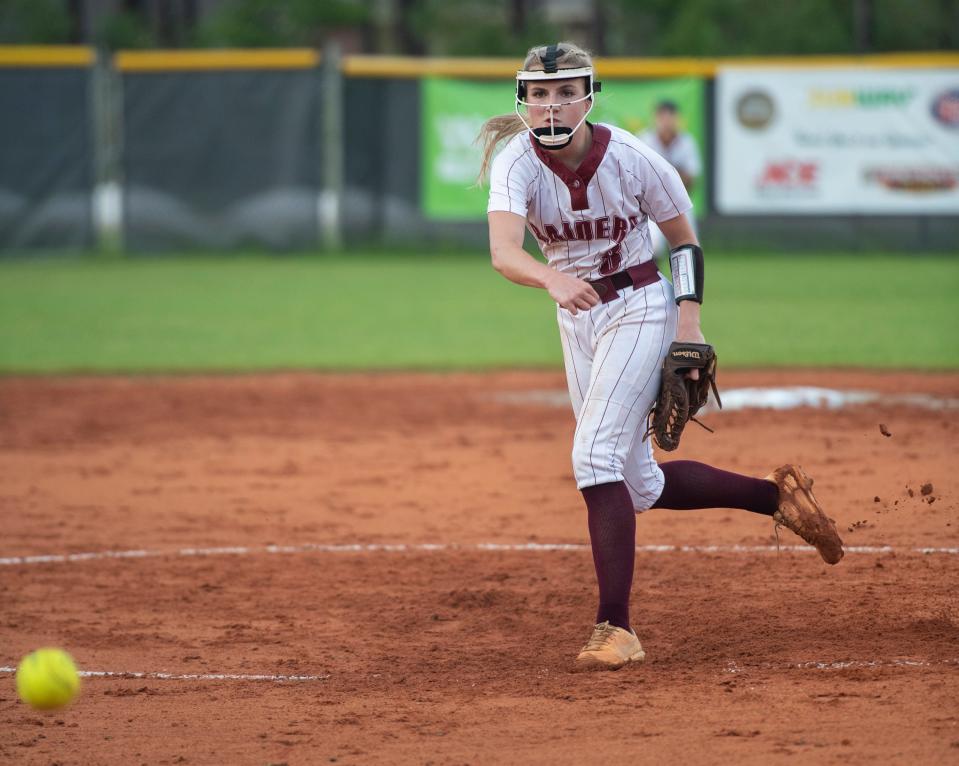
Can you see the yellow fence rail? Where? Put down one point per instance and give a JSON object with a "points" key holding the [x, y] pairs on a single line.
{"points": [[490, 68], [413, 67], [27, 56], [166, 61]]}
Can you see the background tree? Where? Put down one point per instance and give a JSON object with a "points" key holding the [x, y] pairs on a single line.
{"points": [[125, 30], [278, 23], [34, 22], [503, 27], [477, 28]]}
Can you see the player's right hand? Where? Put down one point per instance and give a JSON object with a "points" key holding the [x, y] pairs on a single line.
{"points": [[571, 293]]}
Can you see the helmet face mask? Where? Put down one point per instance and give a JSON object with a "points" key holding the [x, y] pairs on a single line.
{"points": [[553, 136]]}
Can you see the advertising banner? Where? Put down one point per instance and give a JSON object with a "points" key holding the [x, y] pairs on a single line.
{"points": [[837, 141], [455, 110]]}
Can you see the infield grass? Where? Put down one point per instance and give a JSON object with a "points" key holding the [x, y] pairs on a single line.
{"points": [[390, 311]]}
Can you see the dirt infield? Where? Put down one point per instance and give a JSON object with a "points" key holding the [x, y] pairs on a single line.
{"points": [[231, 505]]}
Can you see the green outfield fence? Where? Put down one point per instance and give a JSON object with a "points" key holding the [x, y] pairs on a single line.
{"points": [[152, 151]]}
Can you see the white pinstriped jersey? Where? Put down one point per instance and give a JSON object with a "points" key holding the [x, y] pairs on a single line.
{"points": [[592, 221]]}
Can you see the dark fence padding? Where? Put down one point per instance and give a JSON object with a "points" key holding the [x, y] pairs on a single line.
{"points": [[46, 161], [381, 158], [221, 159]]}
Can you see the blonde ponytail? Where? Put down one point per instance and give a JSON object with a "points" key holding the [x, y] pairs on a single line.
{"points": [[495, 130]]}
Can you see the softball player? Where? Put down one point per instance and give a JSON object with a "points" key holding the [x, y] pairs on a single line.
{"points": [[587, 192]]}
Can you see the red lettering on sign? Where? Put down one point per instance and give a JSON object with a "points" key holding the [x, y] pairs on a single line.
{"points": [[807, 172], [789, 174], [776, 173]]}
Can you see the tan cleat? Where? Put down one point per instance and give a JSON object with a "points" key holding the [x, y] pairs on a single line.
{"points": [[609, 648], [800, 512]]}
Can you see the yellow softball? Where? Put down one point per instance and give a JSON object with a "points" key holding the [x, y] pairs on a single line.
{"points": [[47, 679]]}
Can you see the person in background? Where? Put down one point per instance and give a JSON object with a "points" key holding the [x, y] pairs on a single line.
{"points": [[679, 149]]}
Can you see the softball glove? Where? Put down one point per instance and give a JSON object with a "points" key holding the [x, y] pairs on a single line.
{"points": [[679, 397]]}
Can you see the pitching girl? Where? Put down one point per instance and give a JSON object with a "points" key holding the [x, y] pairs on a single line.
{"points": [[587, 192]]}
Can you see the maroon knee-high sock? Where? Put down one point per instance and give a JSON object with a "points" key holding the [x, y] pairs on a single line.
{"points": [[696, 485], [612, 535]]}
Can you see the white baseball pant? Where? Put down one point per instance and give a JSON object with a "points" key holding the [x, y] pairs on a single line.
{"points": [[613, 354]]}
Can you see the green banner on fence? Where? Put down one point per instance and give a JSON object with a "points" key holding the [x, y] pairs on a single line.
{"points": [[454, 111]]}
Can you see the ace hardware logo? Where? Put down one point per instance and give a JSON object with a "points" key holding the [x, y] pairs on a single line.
{"points": [[789, 176]]}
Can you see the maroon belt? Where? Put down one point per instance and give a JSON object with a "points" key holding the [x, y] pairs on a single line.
{"points": [[635, 276]]}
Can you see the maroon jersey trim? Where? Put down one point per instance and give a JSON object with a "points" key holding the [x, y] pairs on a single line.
{"points": [[577, 180]]}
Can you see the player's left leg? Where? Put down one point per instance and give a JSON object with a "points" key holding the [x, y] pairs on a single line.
{"points": [[689, 485], [785, 495]]}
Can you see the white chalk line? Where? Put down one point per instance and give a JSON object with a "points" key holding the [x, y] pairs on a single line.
{"points": [[123, 674], [733, 667], [69, 558], [765, 398]]}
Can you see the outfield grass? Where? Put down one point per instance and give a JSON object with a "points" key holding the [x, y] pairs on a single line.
{"points": [[377, 311]]}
